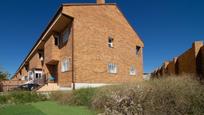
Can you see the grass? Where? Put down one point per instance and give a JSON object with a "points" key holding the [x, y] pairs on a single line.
{"points": [[170, 95], [45, 108]]}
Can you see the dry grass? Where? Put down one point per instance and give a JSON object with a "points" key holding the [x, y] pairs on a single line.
{"points": [[166, 96]]}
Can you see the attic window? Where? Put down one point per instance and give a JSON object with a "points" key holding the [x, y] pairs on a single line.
{"points": [[27, 68], [65, 34], [110, 42], [138, 50], [56, 37], [40, 56]]}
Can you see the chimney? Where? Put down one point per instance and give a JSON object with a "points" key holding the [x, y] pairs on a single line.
{"points": [[196, 46], [100, 1], [175, 59]]}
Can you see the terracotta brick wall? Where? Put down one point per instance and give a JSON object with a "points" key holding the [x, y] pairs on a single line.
{"points": [[54, 56], [190, 62], [65, 78], [51, 51], [24, 72], [200, 62], [9, 85], [187, 62], [92, 27], [171, 67], [35, 62]]}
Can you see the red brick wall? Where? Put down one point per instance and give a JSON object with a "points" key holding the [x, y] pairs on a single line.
{"points": [[10, 85], [57, 54], [171, 67], [35, 62], [187, 62], [190, 62], [92, 27], [51, 51], [200, 62]]}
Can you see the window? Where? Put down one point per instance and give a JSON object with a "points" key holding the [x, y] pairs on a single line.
{"points": [[112, 68], [138, 50], [40, 56], [132, 70], [65, 35], [56, 37], [38, 75], [26, 78], [110, 42], [65, 65], [27, 68]]}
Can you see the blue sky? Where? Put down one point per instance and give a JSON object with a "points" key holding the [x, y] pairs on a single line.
{"points": [[167, 27]]}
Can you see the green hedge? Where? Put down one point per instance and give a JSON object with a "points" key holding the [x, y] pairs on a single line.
{"points": [[21, 97]]}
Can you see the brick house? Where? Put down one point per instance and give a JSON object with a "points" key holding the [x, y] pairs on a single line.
{"points": [[189, 62], [90, 44]]}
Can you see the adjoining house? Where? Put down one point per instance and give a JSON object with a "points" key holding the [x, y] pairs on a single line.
{"points": [[190, 62], [85, 45]]}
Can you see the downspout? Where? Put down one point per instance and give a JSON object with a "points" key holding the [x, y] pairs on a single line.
{"points": [[73, 79]]}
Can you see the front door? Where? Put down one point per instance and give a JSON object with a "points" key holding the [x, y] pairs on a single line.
{"points": [[53, 70]]}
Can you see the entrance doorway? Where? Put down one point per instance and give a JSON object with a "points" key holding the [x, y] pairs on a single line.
{"points": [[53, 71]]}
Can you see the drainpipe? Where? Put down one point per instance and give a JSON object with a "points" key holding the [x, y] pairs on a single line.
{"points": [[73, 79]]}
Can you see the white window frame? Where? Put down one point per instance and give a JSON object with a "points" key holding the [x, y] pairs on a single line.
{"points": [[112, 68], [65, 65], [30, 75], [39, 73], [132, 70]]}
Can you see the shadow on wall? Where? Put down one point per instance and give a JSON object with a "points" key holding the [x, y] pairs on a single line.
{"points": [[200, 63], [190, 62]]}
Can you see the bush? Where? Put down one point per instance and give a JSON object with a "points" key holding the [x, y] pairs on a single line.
{"points": [[61, 97], [166, 96], [173, 95], [21, 97], [81, 97]]}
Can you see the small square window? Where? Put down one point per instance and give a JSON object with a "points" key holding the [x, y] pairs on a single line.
{"points": [[112, 68], [138, 50], [132, 70], [110, 42]]}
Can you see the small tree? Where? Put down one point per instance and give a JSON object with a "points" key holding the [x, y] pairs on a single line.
{"points": [[3, 74]]}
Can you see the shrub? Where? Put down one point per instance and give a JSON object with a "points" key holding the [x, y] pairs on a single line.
{"points": [[80, 97], [173, 95], [3, 99], [21, 97], [61, 97]]}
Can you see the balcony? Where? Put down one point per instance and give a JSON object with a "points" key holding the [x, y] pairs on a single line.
{"points": [[51, 52]]}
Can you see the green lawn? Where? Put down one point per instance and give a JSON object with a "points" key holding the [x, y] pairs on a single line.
{"points": [[45, 108]]}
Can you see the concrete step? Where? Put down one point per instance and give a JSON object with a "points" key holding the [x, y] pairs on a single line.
{"points": [[49, 87]]}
